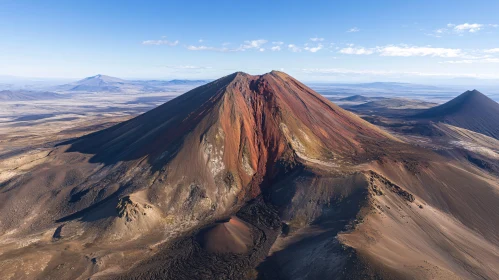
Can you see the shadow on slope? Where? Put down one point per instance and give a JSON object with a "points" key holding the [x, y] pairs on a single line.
{"points": [[157, 134]]}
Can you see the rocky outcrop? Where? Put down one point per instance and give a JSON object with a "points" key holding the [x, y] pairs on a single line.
{"points": [[376, 180]]}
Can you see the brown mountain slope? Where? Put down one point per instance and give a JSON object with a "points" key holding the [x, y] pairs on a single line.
{"points": [[471, 110], [246, 177], [240, 98]]}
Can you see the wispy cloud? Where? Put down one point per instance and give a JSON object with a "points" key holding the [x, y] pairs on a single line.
{"points": [[207, 48], [342, 71], [358, 51], [468, 27], [354, 29], [438, 32], [160, 42], [471, 61], [314, 49], [253, 44], [294, 48], [418, 51], [247, 45], [403, 51], [464, 61], [495, 50], [258, 45], [316, 39], [460, 29], [188, 67]]}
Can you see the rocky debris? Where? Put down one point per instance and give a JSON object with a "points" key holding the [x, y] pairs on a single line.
{"points": [[245, 161], [414, 166], [389, 185], [213, 155], [229, 180], [373, 187], [185, 258], [195, 195], [376, 189], [127, 209]]}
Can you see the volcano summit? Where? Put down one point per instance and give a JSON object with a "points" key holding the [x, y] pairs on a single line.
{"points": [[248, 177]]}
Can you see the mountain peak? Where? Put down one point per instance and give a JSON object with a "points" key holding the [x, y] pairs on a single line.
{"points": [[278, 109], [470, 98], [268, 74], [472, 110], [102, 78], [474, 94]]}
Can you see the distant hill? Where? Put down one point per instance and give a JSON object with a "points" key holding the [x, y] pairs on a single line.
{"points": [[187, 82], [103, 83], [471, 110], [24, 95], [396, 103], [356, 98], [96, 83], [391, 86]]}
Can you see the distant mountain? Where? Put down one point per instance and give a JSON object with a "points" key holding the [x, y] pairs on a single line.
{"points": [[390, 86], [385, 106], [387, 90], [360, 98], [355, 98], [188, 82], [30, 84], [163, 83], [471, 110], [101, 80], [103, 83], [96, 83], [23, 95], [396, 103], [5, 86]]}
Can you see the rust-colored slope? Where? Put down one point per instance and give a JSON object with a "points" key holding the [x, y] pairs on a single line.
{"points": [[250, 120]]}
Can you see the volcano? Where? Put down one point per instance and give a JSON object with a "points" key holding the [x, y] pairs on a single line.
{"points": [[96, 83], [249, 176], [471, 110], [107, 84]]}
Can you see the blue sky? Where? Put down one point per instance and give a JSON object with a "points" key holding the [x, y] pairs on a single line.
{"points": [[311, 40]]}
